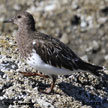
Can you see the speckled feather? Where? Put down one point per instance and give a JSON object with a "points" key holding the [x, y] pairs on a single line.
{"points": [[54, 52], [50, 50]]}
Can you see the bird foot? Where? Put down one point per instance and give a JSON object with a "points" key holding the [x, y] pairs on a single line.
{"points": [[46, 91]]}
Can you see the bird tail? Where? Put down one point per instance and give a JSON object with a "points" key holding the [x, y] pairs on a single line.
{"points": [[94, 69]]}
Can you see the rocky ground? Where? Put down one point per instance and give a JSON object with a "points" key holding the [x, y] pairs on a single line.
{"points": [[83, 26]]}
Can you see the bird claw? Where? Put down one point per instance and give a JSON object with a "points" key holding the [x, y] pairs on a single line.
{"points": [[46, 91]]}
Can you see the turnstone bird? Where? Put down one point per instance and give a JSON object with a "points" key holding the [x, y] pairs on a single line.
{"points": [[46, 53]]}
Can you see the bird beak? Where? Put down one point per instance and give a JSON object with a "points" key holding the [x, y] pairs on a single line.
{"points": [[8, 21]]}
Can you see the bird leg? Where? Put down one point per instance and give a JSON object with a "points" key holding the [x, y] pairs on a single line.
{"points": [[27, 74], [49, 90]]}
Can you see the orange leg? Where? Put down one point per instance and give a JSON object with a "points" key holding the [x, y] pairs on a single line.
{"points": [[27, 74], [49, 90]]}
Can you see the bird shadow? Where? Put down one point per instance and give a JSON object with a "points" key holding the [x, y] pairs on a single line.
{"points": [[84, 96], [42, 86], [79, 93]]}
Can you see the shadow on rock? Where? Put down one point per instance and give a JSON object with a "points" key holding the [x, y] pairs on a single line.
{"points": [[87, 98]]}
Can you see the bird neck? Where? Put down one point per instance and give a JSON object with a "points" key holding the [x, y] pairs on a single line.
{"points": [[27, 28]]}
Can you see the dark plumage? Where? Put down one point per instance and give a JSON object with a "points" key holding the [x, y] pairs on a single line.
{"points": [[59, 55], [50, 52]]}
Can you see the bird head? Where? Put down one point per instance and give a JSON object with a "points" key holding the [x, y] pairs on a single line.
{"points": [[22, 19]]}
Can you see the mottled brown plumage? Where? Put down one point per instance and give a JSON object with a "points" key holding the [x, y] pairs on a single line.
{"points": [[50, 52]]}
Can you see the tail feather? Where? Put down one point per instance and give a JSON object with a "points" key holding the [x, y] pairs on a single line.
{"points": [[98, 71], [91, 68]]}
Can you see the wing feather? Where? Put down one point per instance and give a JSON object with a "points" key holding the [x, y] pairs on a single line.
{"points": [[55, 53]]}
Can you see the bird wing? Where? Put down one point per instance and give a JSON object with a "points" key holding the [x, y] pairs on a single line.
{"points": [[55, 53]]}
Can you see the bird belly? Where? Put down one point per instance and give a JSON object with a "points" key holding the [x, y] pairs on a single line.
{"points": [[36, 62]]}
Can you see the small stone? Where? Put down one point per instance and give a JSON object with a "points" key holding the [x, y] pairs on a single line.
{"points": [[95, 46], [83, 24], [50, 7], [102, 20], [17, 7], [106, 57], [75, 5]]}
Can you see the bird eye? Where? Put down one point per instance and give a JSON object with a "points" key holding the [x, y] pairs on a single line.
{"points": [[19, 16]]}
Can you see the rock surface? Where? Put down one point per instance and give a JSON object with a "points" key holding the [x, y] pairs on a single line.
{"points": [[83, 26]]}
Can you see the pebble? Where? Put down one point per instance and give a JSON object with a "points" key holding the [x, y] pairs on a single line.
{"points": [[17, 7], [102, 20], [83, 24], [95, 45], [106, 57]]}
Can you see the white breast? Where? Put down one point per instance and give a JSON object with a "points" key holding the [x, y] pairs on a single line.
{"points": [[36, 62]]}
